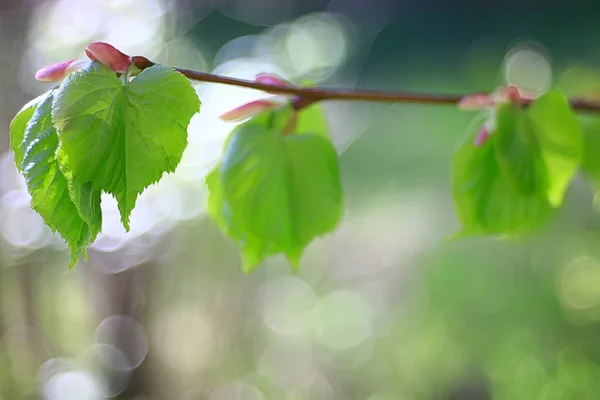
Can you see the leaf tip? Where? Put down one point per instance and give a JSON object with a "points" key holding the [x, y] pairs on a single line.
{"points": [[251, 259], [74, 259], [293, 257], [294, 264], [248, 266], [125, 216]]}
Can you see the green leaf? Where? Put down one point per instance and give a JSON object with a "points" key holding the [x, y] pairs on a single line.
{"points": [[312, 120], [69, 208], [123, 137], [560, 140], [550, 129], [517, 150], [18, 125], [591, 161], [487, 198], [275, 193], [512, 183]]}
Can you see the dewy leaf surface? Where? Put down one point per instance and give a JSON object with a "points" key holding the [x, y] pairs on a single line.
{"points": [[19, 124], [275, 193], [72, 209], [123, 137]]}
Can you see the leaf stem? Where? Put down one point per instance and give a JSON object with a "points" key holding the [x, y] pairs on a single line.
{"points": [[314, 94]]}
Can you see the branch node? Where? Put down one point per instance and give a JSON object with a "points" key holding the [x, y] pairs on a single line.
{"points": [[300, 102], [141, 62]]}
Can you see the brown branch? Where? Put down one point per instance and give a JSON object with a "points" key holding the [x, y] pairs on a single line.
{"points": [[314, 94]]}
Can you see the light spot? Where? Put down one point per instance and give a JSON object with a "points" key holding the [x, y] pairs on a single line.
{"points": [[316, 45], [20, 226], [580, 283], [128, 335], [342, 320], [240, 47], [236, 391], [288, 364], [107, 361], [527, 67], [287, 304], [184, 340], [72, 385]]}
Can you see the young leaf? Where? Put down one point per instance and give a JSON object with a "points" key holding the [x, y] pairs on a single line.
{"points": [[309, 120], [487, 199], [513, 182], [560, 140], [123, 137], [591, 161], [18, 125], [275, 193], [312, 120], [517, 150], [71, 208], [547, 137]]}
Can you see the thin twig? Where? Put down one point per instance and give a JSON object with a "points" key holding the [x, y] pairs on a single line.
{"points": [[314, 94]]}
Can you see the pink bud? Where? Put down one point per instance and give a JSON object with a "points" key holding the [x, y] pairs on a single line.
{"points": [[58, 71], [511, 93], [271, 79], [257, 106], [526, 95], [476, 101], [482, 136], [249, 110], [109, 56]]}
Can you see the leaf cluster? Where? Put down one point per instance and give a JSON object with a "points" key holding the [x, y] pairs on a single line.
{"points": [[98, 132], [517, 178], [277, 186]]}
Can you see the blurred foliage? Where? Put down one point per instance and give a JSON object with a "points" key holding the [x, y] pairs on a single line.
{"points": [[384, 308], [513, 181]]}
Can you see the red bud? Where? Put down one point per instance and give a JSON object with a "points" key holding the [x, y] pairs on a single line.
{"points": [[476, 101], [58, 71], [257, 106], [482, 136], [109, 56], [249, 110], [271, 79], [511, 93]]}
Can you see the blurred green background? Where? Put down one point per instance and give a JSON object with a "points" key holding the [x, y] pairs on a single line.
{"points": [[385, 308]]}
